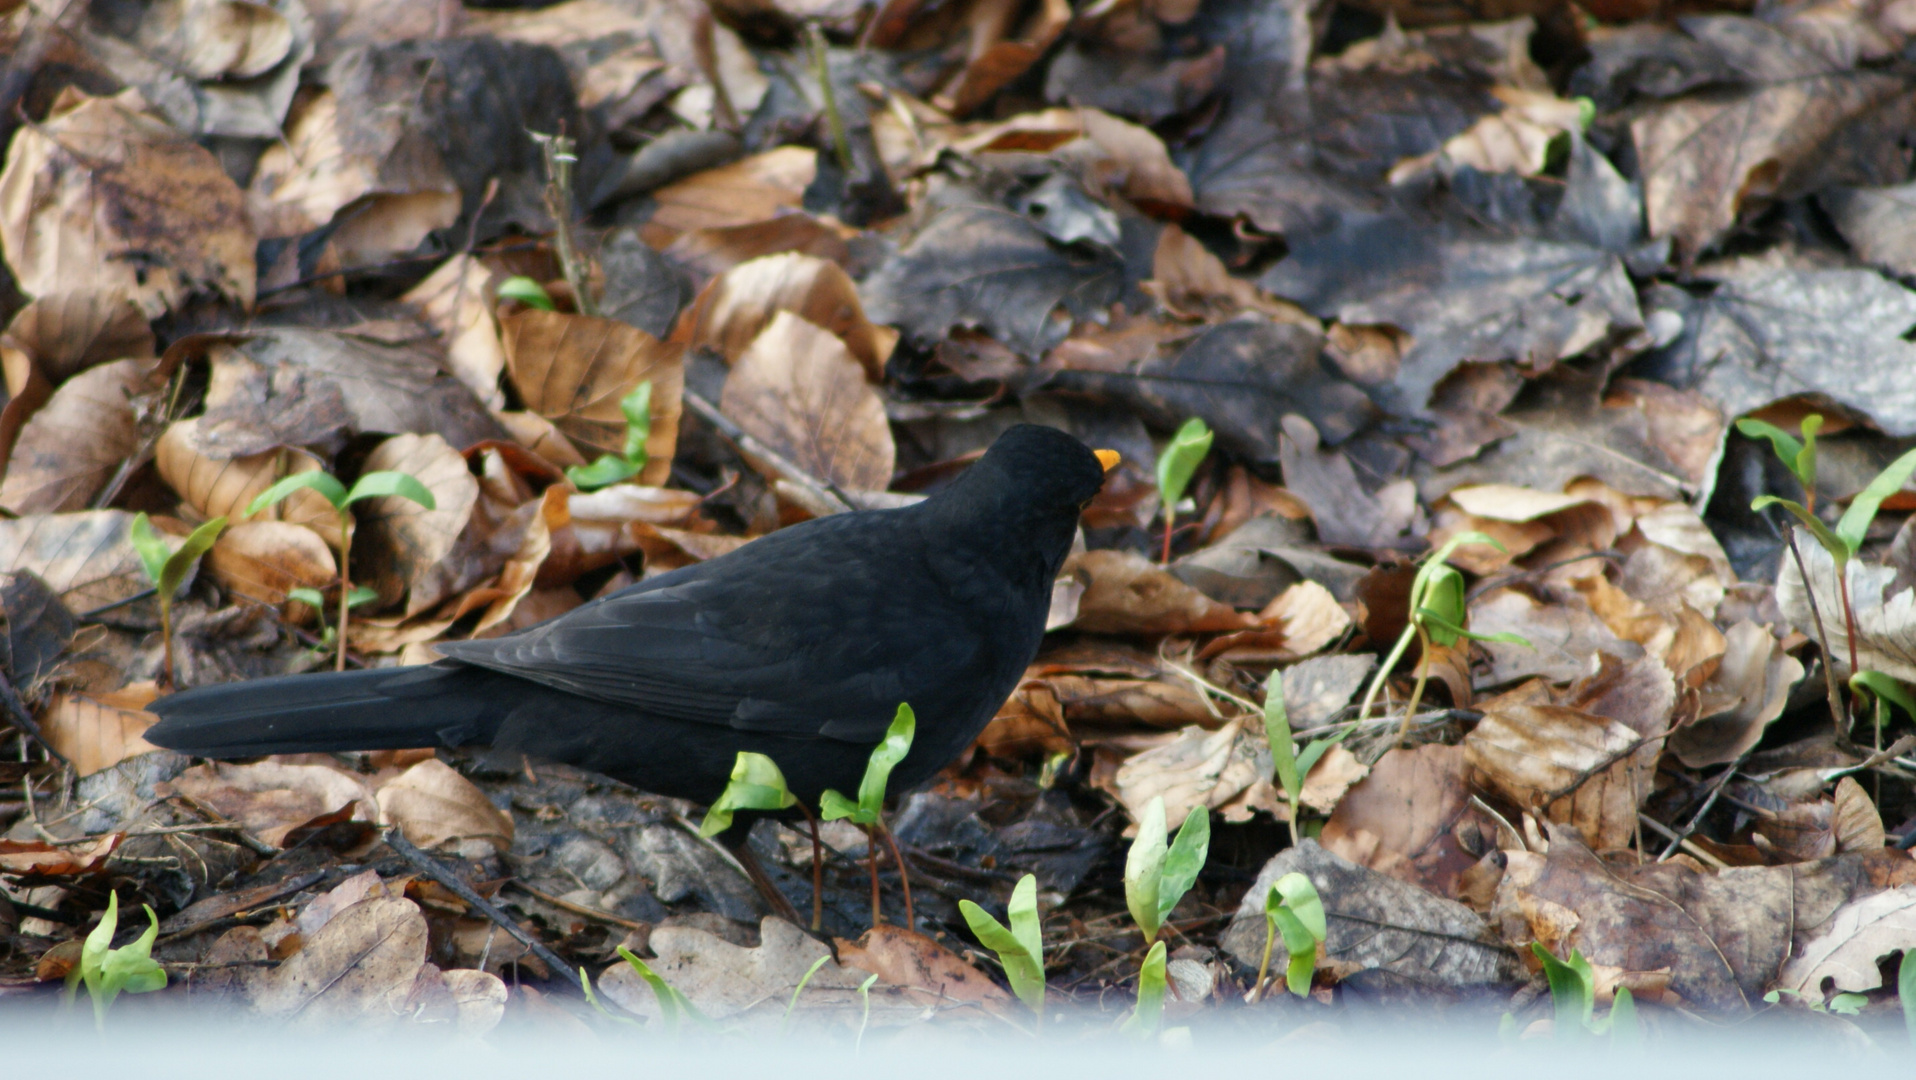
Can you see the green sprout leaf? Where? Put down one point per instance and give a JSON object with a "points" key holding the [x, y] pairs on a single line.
{"points": [[1179, 461], [673, 1006], [198, 543], [109, 972], [1185, 860], [1885, 688], [1572, 990], [1277, 732], [386, 482], [871, 789], [1853, 526], [152, 550], [605, 472], [527, 292], [1848, 1004], [1020, 947], [324, 483], [1798, 456], [1149, 1014], [756, 784], [612, 468], [1144, 869], [1906, 991], [1832, 543], [308, 596], [1293, 910]]}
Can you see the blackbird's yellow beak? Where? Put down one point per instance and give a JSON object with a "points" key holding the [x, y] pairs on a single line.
{"points": [[1108, 458]]}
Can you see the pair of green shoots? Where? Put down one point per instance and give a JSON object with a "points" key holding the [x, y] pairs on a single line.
{"points": [[758, 784], [108, 972], [1842, 542]]}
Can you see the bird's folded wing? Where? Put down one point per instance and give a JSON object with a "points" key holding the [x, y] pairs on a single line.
{"points": [[666, 652]]}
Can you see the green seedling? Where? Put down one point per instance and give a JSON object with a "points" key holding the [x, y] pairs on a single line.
{"points": [[1292, 910], [1846, 539], [1843, 1004], [527, 292], [792, 1005], [372, 485], [109, 972], [1437, 614], [360, 597], [1887, 691], [167, 569], [1157, 876], [1289, 767], [1149, 1014], [674, 1007], [1020, 947], [757, 784], [1176, 465], [1573, 995], [631, 459], [865, 1012], [869, 811]]}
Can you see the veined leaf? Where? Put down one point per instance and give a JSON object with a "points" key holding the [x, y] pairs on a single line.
{"points": [[1144, 869], [871, 788], [756, 784], [1185, 860], [1019, 947], [324, 483], [1180, 459]]}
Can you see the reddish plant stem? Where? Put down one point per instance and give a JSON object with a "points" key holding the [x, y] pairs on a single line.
{"points": [[1822, 635], [818, 872], [904, 875]]}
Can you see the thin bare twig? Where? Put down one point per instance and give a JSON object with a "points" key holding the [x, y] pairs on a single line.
{"points": [[431, 867]]}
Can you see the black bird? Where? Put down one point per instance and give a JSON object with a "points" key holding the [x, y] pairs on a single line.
{"points": [[799, 646]]}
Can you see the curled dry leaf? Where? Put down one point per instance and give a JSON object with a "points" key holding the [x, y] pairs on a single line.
{"points": [[929, 973], [1566, 637], [1748, 690], [265, 560], [539, 435], [406, 546], [359, 968], [1846, 956], [216, 39], [458, 300], [573, 370], [1126, 593], [433, 805], [85, 557], [1192, 283], [271, 799], [739, 304], [1406, 818], [1885, 625], [98, 731], [1228, 770], [757, 188], [798, 389], [71, 447], [48, 860], [66, 333], [225, 487], [98, 179]]}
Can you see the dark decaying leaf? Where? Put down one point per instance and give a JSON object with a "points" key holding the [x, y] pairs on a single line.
{"points": [[38, 628], [87, 558], [989, 268], [72, 446]]}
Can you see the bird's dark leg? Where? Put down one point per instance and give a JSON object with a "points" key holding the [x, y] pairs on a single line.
{"points": [[818, 873], [904, 875], [781, 904], [871, 860]]}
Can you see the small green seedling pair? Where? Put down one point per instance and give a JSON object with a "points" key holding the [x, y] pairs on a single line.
{"points": [[1437, 614], [1156, 877], [1019, 946], [758, 784], [1573, 995], [1846, 539], [370, 486], [674, 1006], [108, 972], [1289, 767], [632, 458], [167, 569], [1293, 911], [1176, 465]]}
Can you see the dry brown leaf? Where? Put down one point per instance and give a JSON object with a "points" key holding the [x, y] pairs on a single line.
{"points": [[539, 435], [1537, 755], [929, 973], [1857, 825], [406, 546], [216, 39], [433, 805], [1029, 724], [1748, 690], [1309, 615], [1192, 283], [1403, 819], [712, 251], [1846, 956], [66, 333], [1566, 637], [574, 370], [98, 731], [457, 300], [97, 179], [85, 557], [1126, 593], [359, 968], [798, 389], [1227, 770], [216, 487], [48, 860], [735, 307], [265, 560], [757, 188], [272, 799], [68, 450]]}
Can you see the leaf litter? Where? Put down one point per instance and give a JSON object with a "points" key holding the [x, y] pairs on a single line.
{"points": [[1419, 278]]}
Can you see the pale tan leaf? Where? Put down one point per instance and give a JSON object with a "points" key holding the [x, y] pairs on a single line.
{"points": [[85, 557], [574, 370], [433, 805], [479, 998], [1193, 283], [69, 449], [1857, 825], [67, 333], [1309, 615], [757, 188], [800, 391], [272, 799], [458, 299], [1748, 690], [1399, 819], [98, 179], [405, 545], [216, 487], [98, 731], [359, 968], [1846, 954], [541, 436], [215, 39], [265, 560], [735, 307]]}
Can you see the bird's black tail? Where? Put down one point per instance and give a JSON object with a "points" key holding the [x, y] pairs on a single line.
{"points": [[382, 709]]}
